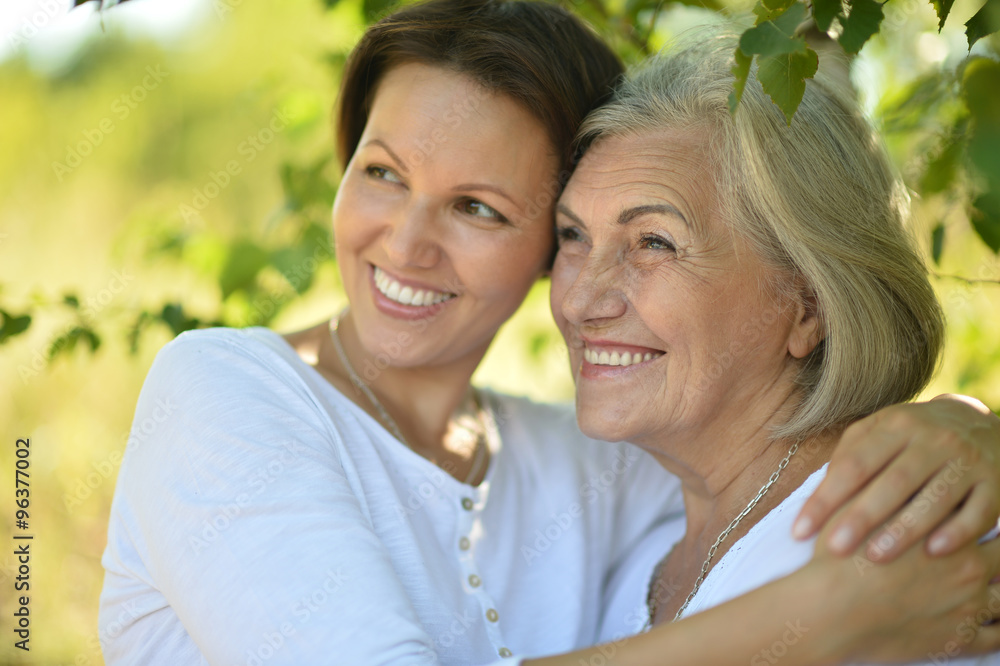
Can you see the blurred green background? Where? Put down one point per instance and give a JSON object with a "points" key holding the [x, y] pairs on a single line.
{"points": [[169, 164]]}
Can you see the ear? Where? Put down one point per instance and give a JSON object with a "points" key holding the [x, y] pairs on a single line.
{"points": [[807, 327]]}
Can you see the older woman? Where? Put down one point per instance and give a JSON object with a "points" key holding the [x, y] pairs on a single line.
{"points": [[734, 293]]}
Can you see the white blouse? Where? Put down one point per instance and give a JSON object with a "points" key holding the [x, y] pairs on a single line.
{"points": [[261, 517], [767, 552]]}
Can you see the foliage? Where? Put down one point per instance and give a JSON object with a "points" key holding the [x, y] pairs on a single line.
{"points": [[966, 166]]}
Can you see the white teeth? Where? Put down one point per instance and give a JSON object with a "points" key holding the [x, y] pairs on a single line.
{"points": [[392, 293], [615, 358], [395, 291]]}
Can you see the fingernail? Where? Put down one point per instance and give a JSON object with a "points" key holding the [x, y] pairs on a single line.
{"points": [[842, 539], [937, 544], [802, 528]]}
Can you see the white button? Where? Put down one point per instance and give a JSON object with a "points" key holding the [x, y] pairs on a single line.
{"points": [[492, 615], [504, 652], [464, 543], [467, 504], [474, 580]]}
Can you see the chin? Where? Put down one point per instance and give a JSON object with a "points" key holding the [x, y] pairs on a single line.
{"points": [[597, 425]]}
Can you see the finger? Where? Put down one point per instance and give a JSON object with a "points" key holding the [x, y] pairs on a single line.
{"points": [[974, 519], [886, 494], [927, 509], [985, 640], [991, 550], [984, 625], [851, 467]]}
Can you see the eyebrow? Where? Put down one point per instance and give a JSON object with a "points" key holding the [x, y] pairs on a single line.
{"points": [[561, 208], [630, 214], [382, 144], [627, 215], [472, 187]]}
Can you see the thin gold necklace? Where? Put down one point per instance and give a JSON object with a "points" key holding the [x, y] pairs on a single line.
{"points": [[483, 414], [652, 601]]}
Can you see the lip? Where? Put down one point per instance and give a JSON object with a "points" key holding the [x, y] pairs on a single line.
{"points": [[399, 311], [591, 371]]}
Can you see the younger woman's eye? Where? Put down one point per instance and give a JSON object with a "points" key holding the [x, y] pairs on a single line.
{"points": [[654, 242], [382, 173], [479, 209]]}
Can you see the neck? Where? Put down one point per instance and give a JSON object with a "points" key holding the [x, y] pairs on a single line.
{"points": [[421, 400], [724, 468]]}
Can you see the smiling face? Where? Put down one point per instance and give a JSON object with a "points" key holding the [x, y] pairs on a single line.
{"points": [[443, 220], [675, 328]]}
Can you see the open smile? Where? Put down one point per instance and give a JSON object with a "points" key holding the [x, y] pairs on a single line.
{"points": [[408, 295]]}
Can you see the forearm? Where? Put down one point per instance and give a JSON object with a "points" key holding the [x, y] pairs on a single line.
{"points": [[792, 617]]}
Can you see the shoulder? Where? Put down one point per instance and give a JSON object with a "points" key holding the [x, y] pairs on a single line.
{"points": [[223, 375], [254, 345], [242, 359]]}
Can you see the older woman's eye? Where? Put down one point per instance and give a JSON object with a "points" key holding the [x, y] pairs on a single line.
{"points": [[479, 209], [382, 173], [568, 235], [654, 242]]}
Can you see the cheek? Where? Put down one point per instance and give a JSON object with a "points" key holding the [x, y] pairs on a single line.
{"points": [[564, 274]]}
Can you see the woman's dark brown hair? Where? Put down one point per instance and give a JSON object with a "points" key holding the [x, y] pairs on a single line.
{"points": [[537, 53]]}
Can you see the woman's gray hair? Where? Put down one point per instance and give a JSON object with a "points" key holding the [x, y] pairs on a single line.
{"points": [[817, 200]]}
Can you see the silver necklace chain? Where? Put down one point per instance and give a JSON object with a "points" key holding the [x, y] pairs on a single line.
{"points": [[651, 601], [488, 425]]}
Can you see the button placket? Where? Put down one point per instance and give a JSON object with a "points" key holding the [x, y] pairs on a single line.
{"points": [[468, 515]]}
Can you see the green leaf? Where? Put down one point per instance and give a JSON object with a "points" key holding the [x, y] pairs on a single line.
{"points": [[242, 265], [72, 301], [824, 11], [376, 9], [67, 341], [135, 331], [174, 317], [942, 7], [741, 69], [13, 325], [784, 78], [779, 5], [983, 22], [937, 242], [981, 91], [941, 170], [764, 14], [776, 36], [863, 22], [986, 219]]}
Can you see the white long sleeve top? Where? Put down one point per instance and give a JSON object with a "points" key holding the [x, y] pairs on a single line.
{"points": [[261, 517]]}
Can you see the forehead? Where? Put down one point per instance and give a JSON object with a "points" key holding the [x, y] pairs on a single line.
{"points": [[648, 168], [435, 108]]}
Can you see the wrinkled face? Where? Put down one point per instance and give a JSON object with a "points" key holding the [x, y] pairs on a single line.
{"points": [[443, 220], [670, 321]]}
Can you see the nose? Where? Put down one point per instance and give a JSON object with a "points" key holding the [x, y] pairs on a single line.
{"points": [[411, 239], [596, 294]]}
